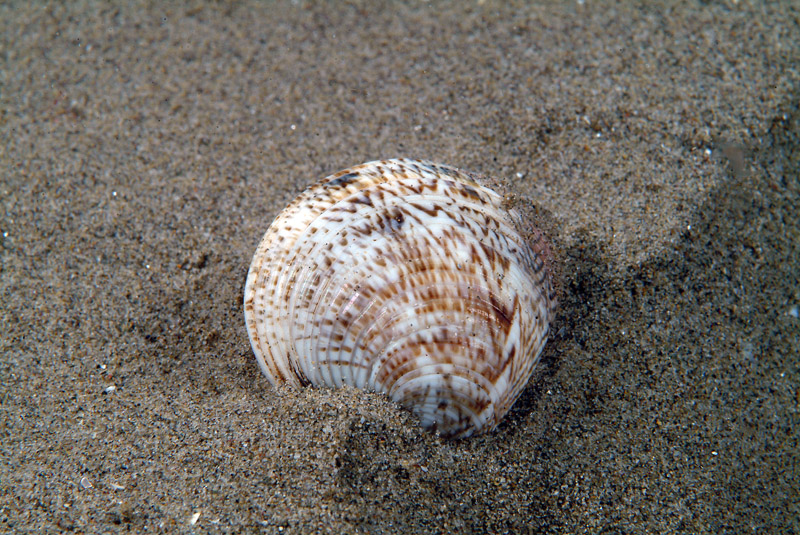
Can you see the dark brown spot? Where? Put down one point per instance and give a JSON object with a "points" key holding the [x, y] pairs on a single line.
{"points": [[431, 212], [343, 180], [471, 192], [364, 199]]}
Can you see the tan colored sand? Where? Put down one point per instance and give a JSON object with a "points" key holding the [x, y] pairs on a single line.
{"points": [[145, 149]]}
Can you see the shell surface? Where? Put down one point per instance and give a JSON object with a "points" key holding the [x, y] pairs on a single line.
{"points": [[407, 278]]}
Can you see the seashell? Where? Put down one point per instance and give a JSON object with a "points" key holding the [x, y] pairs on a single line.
{"points": [[407, 278]]}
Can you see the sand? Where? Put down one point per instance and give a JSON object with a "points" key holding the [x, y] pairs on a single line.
{"points": [[145, 150]]}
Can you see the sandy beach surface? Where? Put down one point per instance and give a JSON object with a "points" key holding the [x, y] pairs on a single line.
{"points": [[145, 147]]}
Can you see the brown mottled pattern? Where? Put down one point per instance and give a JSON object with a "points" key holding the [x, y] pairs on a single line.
{"points": [[407, 278]]}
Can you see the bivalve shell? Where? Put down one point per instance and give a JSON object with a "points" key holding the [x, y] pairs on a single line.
{"points": [[407, 278]]}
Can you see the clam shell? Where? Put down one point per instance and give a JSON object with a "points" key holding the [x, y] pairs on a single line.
{"points": [[407, 278]]}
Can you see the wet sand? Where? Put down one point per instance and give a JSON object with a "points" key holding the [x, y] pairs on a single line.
{"points": [[145, 150]]}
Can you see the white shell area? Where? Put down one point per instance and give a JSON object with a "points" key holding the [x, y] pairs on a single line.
{"points": [[407, 278]]}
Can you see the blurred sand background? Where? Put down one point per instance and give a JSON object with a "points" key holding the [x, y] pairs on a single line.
{"points": [[146, 147]]}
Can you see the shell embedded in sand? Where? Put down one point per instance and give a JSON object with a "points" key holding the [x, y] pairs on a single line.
{"points": [[407, 278]]}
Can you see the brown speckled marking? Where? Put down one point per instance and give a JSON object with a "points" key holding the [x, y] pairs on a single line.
{"points": [[407, 278]]}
